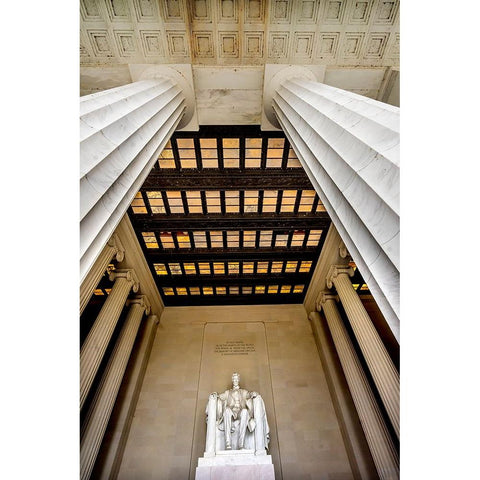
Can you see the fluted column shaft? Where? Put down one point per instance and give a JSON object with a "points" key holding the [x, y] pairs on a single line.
{"points": [[122, 132], [383, 371], [104, 400], [381, 446], [349, 147], [99, 336], [113, 248]]}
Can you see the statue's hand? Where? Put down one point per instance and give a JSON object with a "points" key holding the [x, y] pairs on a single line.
{"points": [[214, 395], [253, 394]]}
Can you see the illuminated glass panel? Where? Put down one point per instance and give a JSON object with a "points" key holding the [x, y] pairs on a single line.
{"points": [[183, 240], [98, 292], [175, 268], [233, 268], [138, 205], [186, 152], [259, 289], [168, 291], [262, 267], [175, 202], [355, 285], [208, 290], [149, 239], [216, 239], [249, 238], [246, 290], [233, 290], [181, 290], [290, 267], [270, 200], [305, 266], [221, 290], [298, 288], [231, 153], [160, 269], [314, 238], [204, 268], [250, 202], [200, 239], [297, 238], [320, 207], [266, 238], [277, 267], [253, 152], [219, 268], [194, 290], [247, 267], [189, 268], [194, 201], [232, 201], [293, 161], [232, 239], [288, 200], [108, 290], [165, 160], [281, 239], [273, 289], [167, 240], [285, 289], [208, 147], [306, 201], [213, 201], [275, 152], [156, 202], [364, 287]]}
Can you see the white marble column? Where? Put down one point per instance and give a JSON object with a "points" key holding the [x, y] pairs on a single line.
{"points": [[378, 438], [112, 249], [99, 412], [383, 371], [122, 132], [97, 339], [349, 147]]}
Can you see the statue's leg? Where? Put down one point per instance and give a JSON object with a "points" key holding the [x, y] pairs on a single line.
{"points": [[227, 422], [243, 427]]}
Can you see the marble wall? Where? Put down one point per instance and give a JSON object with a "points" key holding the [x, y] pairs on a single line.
{"points": [[276, 356]]}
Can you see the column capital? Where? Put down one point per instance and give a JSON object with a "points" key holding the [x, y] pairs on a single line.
{"points": [[129, 275], [115, 243], [336, 270], [276, 74], [323, 298], [342, 250], [141, 300]]}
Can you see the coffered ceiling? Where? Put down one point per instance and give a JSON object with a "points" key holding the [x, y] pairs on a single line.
{"points": [[357, 41]]}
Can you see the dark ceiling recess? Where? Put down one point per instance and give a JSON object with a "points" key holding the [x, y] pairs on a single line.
{"points": [[228, 216]]}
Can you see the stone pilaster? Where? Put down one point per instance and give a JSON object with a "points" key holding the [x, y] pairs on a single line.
{"points": [[122, 132], [112, 249], [97, 340], [383, 371], [349, 147], [378, 438], [110, 455], [104, 400]]}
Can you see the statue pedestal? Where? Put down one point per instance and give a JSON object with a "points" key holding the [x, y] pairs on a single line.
{"points": [[235, 465]]}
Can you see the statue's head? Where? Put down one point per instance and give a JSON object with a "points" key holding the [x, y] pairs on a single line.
{"points": [[236, 379]]}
